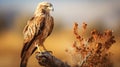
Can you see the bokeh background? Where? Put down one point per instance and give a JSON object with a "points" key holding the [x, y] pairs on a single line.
{"points": [[99, 14]]}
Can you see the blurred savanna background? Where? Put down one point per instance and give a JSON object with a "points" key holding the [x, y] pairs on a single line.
{"points": [[98, 14]]}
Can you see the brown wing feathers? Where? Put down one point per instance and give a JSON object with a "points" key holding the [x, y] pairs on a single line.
{"points": [[27, 51]]}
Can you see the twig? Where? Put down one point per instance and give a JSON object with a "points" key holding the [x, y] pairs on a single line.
{"points": [[84, 60]]}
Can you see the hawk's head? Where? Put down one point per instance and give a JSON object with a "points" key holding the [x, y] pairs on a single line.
{"points": [[44, 7]]}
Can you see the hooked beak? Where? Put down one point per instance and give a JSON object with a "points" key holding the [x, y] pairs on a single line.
{"points": [[51, 8]]}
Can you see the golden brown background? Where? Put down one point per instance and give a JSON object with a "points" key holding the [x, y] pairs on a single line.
{"points": [[99, 14]]}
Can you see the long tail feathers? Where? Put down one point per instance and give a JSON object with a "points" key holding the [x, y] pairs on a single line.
{"points": [[27, 51], [23, 62], [26, 55]]}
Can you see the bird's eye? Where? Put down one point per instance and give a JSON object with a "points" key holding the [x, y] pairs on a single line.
{"points": [[46, 6]]}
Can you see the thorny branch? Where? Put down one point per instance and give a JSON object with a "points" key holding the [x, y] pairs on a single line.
{"points": [[91, 51]]}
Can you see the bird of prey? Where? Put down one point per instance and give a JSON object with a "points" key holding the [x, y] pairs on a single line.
{"points": [[38, 28]]}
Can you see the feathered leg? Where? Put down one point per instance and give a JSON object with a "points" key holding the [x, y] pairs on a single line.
{"points": [[38, 49]]}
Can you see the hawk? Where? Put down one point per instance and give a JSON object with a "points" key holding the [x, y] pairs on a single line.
{"points": [[38, 28]]}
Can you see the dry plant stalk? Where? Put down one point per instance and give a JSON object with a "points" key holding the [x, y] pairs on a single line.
{"points": [[92, 51]]}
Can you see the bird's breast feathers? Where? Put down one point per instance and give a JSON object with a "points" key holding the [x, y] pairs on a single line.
{"points": [[48, 26]]}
